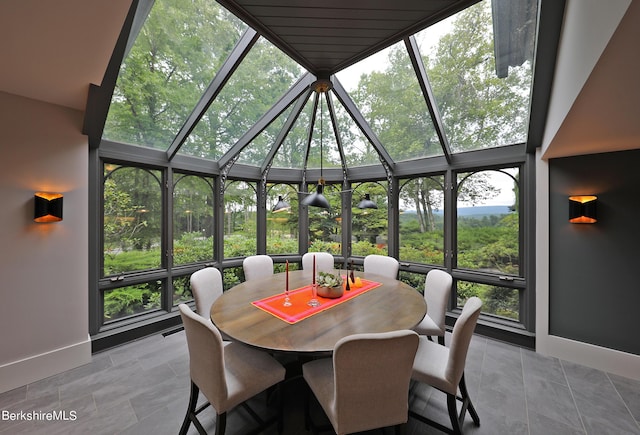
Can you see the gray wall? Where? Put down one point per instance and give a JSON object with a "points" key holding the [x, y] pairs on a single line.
{"points": [[594, 288]]}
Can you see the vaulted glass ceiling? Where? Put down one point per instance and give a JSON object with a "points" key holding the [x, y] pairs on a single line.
{"points": [[197, 81]]}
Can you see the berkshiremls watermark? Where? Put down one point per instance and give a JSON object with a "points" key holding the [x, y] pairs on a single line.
{"points": [[61, 415]]}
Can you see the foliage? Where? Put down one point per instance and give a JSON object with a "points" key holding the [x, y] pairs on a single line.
{"points": [[130, 300], [327, 279], [132, 216], [192, 247], [131, 260]]}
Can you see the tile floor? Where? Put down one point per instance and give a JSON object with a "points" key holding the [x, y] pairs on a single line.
{"points": [[142, 388]]}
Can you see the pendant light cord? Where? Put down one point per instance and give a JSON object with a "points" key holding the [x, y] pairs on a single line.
{"points": [[321, 116]]}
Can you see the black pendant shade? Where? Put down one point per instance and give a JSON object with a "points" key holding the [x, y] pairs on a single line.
{"points": [[281, 205], [317, 199], [367, 203]]}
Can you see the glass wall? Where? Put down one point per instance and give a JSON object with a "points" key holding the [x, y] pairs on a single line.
{"points": [[488, 225], [282, 223], [132, 204], [191, 173], [192, 219], [240, 235], [369, 226], [421, 223]]}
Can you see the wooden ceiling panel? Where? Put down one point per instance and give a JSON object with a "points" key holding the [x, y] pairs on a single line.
{"points": [[327, 37]]}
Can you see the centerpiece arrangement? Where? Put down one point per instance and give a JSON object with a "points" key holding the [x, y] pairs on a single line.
{"points": [[329, 285]]}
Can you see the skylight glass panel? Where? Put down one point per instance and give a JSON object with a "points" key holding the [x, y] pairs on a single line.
{"points": [[479, 64], [174, 58], [256, 151], [358, 151], [324, 146], [292, 152], [386, 90], [262, 77]]}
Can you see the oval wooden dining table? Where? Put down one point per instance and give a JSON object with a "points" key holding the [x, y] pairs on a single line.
{"points": [[391, 306]]}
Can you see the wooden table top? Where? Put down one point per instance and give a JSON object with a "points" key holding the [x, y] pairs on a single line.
{"points": [[392, 306]]}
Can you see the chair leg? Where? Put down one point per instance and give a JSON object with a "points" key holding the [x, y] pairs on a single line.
{"points": [[280, 393], [193, 401], [221, 423], [307, 413], [467, 401], [453, 414]]}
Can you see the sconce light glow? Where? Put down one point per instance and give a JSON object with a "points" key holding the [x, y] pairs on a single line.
{"points": [[47, 207], [583, 209]]}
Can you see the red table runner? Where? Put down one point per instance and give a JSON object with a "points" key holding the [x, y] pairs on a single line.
{"points": [[299, 310]]}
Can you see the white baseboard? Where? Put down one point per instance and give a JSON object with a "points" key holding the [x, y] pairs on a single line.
{"points": [[601, 358], [28, 370]]}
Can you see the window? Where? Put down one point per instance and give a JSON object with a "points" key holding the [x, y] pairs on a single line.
{"points": [[132, 201], [488, 226], [192, 219], [325, 226], [496, 300], [240, 235], [482, 93], [127, 301], [421, 227], [282, 225], [172, 86], [369, 226]]}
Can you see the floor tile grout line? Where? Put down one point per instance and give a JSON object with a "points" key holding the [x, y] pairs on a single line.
{"points": [[622, 400], [524, 390], [573, 398]]}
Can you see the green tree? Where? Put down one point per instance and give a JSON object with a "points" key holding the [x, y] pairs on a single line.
{"points": [[176, 54], [478, 108]]}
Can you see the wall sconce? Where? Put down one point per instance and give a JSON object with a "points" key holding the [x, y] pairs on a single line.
{"points": [[582, 209], [48, 207]]}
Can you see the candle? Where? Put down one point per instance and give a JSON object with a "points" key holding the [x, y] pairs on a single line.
{"points": [[314, 270], [286, 282]]}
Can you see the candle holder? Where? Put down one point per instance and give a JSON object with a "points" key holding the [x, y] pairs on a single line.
{"points": [[287, 301], [314, 302]]}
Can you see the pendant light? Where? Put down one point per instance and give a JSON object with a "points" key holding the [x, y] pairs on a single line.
{"points": [[317, 199], [281, 205], [367, 202]]}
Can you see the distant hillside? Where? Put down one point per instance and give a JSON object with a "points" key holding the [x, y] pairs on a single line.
{"points": [[477, 211]]}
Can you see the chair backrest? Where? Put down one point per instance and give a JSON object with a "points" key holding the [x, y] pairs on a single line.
{"points": [[437, 290], [324, 261], [381, 265], [257, 266], [206, 287], [206, 356], [460, 339], [372, 372]]}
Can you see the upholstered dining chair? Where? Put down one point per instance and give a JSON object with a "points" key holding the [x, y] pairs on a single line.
{"points": [[206, 287], [355, 388], [381, 265], [443, 368], [257, 266], [227, 375], [324, 261], [437, 290]]}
